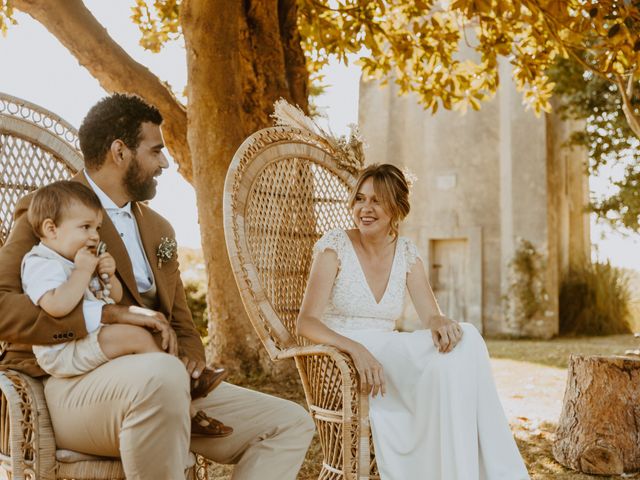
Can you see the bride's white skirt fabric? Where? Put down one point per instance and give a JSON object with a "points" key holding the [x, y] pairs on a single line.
{"points": [[441, 418]]}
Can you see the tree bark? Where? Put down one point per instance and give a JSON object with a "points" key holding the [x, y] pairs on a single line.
{"points": [[295, 62], [599, 427], [626, 92], [236, 65], [87, 40]]}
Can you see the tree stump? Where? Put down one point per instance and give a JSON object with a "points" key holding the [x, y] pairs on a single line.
{"points": [[599, 428]]}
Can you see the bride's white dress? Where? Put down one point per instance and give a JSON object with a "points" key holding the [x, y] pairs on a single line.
{"points": [[441, 417]]}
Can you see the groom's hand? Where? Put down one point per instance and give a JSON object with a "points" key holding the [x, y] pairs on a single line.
{"points": [[194, 367]]}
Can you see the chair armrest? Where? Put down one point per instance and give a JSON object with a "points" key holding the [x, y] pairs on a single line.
{"points": [[341, 359], [315, 349], [331, 384], [27, 440]]}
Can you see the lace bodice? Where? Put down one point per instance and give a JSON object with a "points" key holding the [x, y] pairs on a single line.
{"points": [[352, 305]]}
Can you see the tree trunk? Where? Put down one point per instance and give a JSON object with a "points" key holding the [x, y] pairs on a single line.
{"points": [[599, 428], [237, 69]]}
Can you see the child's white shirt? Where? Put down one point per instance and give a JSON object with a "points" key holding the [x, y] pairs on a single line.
{"points": [[43, 270]]}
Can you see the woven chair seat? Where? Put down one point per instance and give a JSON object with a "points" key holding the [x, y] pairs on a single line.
{"points": [[71, 456]]}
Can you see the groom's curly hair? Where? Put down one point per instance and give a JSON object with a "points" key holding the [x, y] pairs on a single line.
{"points": [[116, 117]]}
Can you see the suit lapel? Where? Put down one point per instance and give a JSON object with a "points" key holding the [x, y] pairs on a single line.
{"points": [[116, 247], [150, 242]]}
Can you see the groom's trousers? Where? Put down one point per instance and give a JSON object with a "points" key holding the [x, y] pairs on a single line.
{"points": [[136, 407]]}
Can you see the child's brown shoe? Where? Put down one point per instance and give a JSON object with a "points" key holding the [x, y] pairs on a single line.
{"points": [[209, 379]]}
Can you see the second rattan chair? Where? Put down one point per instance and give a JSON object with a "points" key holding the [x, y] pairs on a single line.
{"points": [[284, 189]]}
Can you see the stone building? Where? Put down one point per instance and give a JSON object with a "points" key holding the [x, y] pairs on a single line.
{"points": [[488, 182]]}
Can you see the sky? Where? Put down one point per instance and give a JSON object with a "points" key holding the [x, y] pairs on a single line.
{"points": [[36, 67]]}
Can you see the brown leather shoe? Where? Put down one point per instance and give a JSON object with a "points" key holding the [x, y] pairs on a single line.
{"points": [[209, 379], [202, 425]]}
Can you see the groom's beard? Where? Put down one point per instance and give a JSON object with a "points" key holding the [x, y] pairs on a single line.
{"points": [[141, 186]]}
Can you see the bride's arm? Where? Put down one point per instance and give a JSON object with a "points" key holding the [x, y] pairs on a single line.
{"points": [[445, 332], [316, 297]]}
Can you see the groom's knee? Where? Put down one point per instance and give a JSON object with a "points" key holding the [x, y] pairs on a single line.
{"points": [[163, 384], [301, 423]]}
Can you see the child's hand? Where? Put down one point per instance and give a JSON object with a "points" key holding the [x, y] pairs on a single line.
{"points": [[85, 260], [106, 266]]}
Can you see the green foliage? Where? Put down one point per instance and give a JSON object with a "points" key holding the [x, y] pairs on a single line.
{"points": [[595, 299], [446, 52], [527, 297], [196, 292], [596, 103], [417, 43], [159, 24]]}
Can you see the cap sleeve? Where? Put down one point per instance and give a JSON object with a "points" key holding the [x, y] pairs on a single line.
{"points": [[332, 240], [411, 254], [39, 275]]}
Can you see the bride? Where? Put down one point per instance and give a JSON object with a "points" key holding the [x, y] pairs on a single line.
{"points": [[434, 409]]}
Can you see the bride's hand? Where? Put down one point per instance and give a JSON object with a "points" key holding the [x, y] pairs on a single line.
{"points": [[445, 333], [369, 369]]}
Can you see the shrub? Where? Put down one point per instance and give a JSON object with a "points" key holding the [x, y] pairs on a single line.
{"points": [[196, 292], [595, 299], [527, 299]]}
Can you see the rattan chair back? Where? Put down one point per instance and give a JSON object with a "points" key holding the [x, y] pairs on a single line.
{"points": [[36, 148], [284, 190]]}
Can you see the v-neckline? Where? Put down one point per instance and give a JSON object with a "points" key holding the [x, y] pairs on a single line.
{"points": [[364, 276]]}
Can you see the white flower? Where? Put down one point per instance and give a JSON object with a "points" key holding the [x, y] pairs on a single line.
{"points": [[166, 250]]}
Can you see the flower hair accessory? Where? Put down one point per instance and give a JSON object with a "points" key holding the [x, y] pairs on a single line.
{"points": [[409, 177], [166, 250], [349, 151]]}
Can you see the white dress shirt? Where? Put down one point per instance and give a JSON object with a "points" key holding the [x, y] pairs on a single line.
{"points": [[127, 227]]}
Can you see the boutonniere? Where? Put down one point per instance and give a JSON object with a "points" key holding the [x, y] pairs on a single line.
{"points": [[166, 250]]}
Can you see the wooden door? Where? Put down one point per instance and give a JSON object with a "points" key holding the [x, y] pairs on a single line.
{"points": [[449, 272]]}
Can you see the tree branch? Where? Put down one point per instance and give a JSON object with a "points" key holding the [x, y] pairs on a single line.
{"points": [[87, 40], [627, 108]]}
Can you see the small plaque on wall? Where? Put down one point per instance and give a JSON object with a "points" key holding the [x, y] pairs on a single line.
{"points": [[446, 182]]}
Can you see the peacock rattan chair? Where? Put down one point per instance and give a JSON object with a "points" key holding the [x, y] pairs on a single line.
{"points": [[286, 187], [36, 148]]}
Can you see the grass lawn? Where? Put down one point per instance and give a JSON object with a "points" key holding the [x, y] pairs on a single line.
{"points": [[556, 352], [530, 376]]}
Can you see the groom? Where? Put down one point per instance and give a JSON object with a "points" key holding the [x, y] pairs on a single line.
{"points": [[136, 407]]}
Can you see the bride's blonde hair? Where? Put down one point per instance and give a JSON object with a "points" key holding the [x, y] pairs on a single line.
{"points": [[391, 188]]}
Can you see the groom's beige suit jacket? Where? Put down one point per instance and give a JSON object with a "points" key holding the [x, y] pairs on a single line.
{"points": [[23, 324]]}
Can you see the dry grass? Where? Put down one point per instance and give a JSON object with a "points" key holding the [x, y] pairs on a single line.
{"points": [[530, 375]]}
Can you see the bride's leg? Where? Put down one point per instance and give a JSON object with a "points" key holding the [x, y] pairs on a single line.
{"points": [[457, 412], [446, 391], [499, 455]]}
